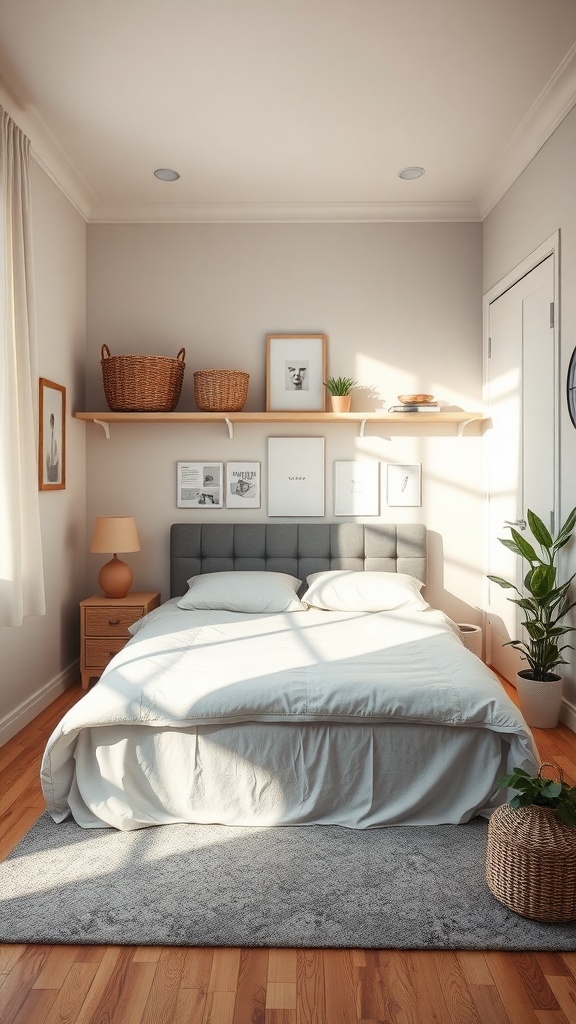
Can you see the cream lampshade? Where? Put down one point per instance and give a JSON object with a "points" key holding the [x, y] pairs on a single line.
{"points": [[113, 534]]}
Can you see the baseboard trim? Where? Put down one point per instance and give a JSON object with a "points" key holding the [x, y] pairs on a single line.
{"points": [[568, 714], [29, 709]]}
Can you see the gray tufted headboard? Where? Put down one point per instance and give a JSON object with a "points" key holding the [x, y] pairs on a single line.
{"points": [[295, 548]]}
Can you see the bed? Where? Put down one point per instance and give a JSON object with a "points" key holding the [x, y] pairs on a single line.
{"points": [[296, 675]]}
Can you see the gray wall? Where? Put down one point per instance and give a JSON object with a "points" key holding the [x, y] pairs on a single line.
{"points": [[39, 658], [539, 203], [401, 305]]}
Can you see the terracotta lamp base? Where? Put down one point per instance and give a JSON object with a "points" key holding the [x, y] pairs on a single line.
{"points": [[115, 578]]}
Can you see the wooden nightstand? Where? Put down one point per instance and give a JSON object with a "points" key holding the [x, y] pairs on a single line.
{"points": [[104, 625]]}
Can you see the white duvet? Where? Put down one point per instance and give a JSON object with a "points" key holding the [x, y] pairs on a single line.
{"points": [[359, 719]]}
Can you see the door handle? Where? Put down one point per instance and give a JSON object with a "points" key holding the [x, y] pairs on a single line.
{"points": [[520, 523]]}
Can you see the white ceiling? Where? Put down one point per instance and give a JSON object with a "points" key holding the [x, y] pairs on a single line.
{"points": [[286, 109]]}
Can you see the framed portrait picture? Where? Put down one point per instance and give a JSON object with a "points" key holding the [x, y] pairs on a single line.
{"points": [[295, 372], [295, 476], [242, 485], [404, 485], [357, 488], [52, 436], [200, 485]]}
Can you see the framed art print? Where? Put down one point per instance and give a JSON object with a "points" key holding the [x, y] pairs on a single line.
{"points": [[52, 436], [404, 485], [242, 485], [356, 488], [200, 485], [295, 476], [295, 372]]}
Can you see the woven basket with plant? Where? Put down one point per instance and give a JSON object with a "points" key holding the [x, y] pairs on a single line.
{"points": [[531, 857]]}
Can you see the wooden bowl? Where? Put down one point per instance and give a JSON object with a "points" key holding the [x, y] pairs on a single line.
{"points": [[415, 399]]}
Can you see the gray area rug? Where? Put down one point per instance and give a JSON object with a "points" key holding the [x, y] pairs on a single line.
{"points": [[212, 885]]}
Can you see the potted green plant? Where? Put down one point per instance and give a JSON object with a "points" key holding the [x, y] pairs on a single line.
{"points": [[340, 390], [531, 855], [544, 603], [541, 791]]}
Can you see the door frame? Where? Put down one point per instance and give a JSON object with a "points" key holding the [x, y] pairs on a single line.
{"points": [[550, 247]]}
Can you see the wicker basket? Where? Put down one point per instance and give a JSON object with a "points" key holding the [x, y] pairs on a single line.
{"points": [[531, 863], [220, 390], [142, 383]]}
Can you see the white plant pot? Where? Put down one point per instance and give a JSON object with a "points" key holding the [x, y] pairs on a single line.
{"points": [[471, 637], [540, 700]]}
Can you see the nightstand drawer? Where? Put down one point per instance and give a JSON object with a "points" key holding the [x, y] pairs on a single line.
{"points": [[111, 621], [104, 628], [97, 653]]}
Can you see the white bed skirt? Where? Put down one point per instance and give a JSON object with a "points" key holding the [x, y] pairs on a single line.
{"points": [[285, 774]]}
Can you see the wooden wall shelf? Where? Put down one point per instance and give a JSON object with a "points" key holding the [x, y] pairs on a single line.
{"points": [[404, 421]]}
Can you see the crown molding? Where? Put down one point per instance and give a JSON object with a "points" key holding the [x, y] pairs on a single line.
{"points": [[282, 213], [546, 113], [550, 108], [47, 152]]}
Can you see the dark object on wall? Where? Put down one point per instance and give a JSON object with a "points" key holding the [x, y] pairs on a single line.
{"points": [[220, 390], [571, 388], [142, 383]]}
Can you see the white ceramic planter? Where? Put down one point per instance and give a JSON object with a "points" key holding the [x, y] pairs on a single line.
{"points": [[471, 637], [540, 700]]}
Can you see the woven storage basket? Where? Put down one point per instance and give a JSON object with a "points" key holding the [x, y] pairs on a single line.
{"points": [[220, 390], [142, 383], [531, 863]]}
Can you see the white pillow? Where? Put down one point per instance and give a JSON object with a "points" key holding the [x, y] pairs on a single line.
{"points": [[343, 590], [243, 591]]}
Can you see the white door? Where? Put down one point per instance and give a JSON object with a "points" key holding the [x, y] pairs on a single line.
{"points": [[521, 444]]}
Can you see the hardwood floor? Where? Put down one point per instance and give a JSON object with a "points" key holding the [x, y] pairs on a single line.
{"points": [[155, 985]]}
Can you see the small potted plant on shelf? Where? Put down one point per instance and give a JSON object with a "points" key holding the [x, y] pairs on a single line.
{"points": [[531, 855], [545, 604], [340, 390]]}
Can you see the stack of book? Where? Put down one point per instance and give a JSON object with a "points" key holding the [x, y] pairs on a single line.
{"points": [[415, 403]]}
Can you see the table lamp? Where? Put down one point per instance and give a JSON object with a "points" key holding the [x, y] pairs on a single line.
{"points": [[113, 534]]}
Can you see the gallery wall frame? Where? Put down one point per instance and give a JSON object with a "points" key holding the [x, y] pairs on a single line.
{"points": [[295, 372], [200, 485], [243, 485], [296, 476], [357, 488], [52, 435], [403, 485]]}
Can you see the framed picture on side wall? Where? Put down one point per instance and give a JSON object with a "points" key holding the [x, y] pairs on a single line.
{"points": [[52, 436], [295, 372]]}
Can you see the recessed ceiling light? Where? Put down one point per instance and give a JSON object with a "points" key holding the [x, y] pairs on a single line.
{"points": [[165, 174], [408, 173]]}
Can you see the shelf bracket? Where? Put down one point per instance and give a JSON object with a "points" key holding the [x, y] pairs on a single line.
{"points": [[462, 426], [230, 426], [105, 427], [362, 428]]}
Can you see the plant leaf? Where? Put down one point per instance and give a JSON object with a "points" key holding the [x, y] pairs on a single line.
{"points": [[540, 580], [523, 546], [503, 583], [540, 532]]}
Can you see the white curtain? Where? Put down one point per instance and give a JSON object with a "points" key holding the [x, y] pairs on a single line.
{"points": [[21, 573]]}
